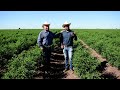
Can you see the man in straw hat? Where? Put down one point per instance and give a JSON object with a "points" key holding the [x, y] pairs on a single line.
{"points": [[45, 40], [67, 36]]}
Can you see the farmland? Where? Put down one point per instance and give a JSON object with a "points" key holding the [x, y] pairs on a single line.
{"points": [[105, 42], [19, 52]]}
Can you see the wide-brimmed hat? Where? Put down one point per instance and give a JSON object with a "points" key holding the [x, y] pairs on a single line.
{"points": [[45, 23], [66, 23]]}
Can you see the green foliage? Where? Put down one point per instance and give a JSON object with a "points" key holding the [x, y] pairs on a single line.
{"points": [[105, 42], [84, 64], [24, 65], [18, 50]]}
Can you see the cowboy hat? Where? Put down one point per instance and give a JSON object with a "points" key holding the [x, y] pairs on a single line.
{"points": [[65, 23], [45, 23]]}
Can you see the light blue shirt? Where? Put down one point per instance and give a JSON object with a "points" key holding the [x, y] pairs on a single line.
{"points": [[45, 38]]}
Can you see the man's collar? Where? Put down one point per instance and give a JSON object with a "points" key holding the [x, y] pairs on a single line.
{"points": [[45, 30], [67, 30]]}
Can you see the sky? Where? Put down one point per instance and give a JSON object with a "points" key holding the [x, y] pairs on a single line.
{"points": [[78, 19]]}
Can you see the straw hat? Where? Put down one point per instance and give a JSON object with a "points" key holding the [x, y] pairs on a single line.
{"points": [[45, 23], [66, 23]]}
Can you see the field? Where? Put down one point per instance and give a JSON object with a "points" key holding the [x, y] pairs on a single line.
{"points": [[105, 42], [20, 57]]}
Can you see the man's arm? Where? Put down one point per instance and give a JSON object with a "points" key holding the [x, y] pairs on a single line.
{"points": [[61, 40], [75, 36], [56, 35], [40, 40]]}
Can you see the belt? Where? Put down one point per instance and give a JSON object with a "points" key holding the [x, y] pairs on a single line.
{"points": [[67, 46], [47, 46]]}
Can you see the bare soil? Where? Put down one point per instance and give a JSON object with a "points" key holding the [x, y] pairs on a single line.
{"points": [[107, 70], [57, 67]]}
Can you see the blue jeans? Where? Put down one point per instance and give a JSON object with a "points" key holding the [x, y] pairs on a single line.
{"points": [[67, 51]]}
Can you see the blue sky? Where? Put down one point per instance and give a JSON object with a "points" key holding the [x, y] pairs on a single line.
{"points": [[78, 19]]}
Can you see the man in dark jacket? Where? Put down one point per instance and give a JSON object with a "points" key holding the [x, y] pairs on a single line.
{"points": [[67, 36]]}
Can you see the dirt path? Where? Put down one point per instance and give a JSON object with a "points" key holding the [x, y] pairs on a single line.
{"points": [[107, 69], [56, 68]]}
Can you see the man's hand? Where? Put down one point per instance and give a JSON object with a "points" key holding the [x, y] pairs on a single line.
{"points": [[41, 48], [62, 31], [62, 46], [73, 34]]}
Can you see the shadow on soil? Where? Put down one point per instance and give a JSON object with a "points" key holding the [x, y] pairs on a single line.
{"points": [[56, 66], [101, 68]]}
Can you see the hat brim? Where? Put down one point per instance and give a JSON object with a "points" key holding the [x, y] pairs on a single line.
{"points": [[45, 25], [66, 25]]}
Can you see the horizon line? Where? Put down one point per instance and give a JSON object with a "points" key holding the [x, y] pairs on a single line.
{"points": [[60, 28]]}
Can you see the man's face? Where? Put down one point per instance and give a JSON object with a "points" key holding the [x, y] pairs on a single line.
{"points": [[66, 27], [46, 27]]}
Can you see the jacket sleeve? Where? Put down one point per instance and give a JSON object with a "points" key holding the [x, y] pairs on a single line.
{"points": [[56, 35], [61, 38], [75, 36], [40, 40]]}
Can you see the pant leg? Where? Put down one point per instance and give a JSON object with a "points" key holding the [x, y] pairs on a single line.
{"points": [[65, 52], [44, 58], [70, 52], [47, 56]]}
